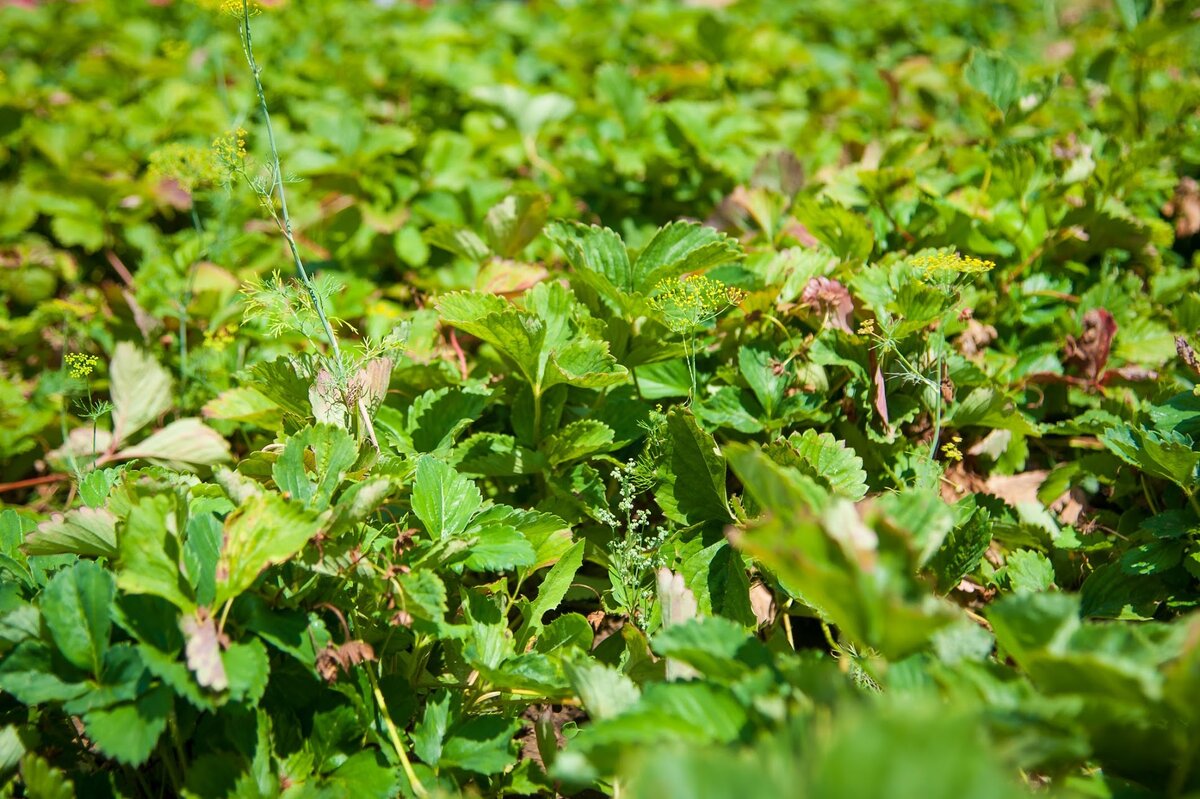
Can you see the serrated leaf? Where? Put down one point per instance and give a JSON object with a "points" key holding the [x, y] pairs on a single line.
{"points": [[185, 442], [554, 586], [140, 389], [481, 745], [995, 76], [679, 248], [43, 781], [29, 673], [514, 222], [961, 550], [443, 499], [128, 732], [265, 531], [460, 241], [1029, 571], [693, 488], [87, 531], [247, 668], [75, 607], [769, 384], [243, 404], [827, 460], [424, 595], [605, 692], [499, 547], [150, 553], [577, 440], [331, 451], [285, 381]]}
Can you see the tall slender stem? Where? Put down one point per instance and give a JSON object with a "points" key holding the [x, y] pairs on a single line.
{"points": [[277, 187], [417, 787]]}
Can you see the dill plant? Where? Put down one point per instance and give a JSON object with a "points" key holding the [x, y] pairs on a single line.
{"points": [[687, 305], [946, 271]]}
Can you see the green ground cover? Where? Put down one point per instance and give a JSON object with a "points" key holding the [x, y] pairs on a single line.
{"points": [[599, 399]]}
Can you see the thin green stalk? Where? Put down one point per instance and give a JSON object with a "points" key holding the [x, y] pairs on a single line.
{"points": [[937, 410], [277, 187], [394, 735], [188, 293]]}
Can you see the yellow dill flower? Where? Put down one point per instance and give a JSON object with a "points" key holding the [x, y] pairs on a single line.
{"points": [[693, 300], [866, 327], [229, 151], [951, 261], [234, 8], [190, 166], [219, 338], [951, 451], [80, 365]]}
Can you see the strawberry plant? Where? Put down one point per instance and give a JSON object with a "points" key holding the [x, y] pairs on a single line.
{"points": [[598, 399]]}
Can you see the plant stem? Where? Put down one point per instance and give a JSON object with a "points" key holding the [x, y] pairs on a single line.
{"points": [[394, 735], [277, 187], [188, 291]]}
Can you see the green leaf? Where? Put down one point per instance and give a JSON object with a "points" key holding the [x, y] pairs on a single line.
{"points": [[264, 531], [577, 440], [597, 254], [424, 595], [428, 735], [140, 388], [499, 547], [186, 442], [150, 553], [75, 606], [994, 75], [247, 667], [679, 248], [826, 460], [555, 585], [331, 451], [90, 532], [514, 222], [96, 486], [443, 499], [43, 781], [718, 648], [1111, 593], [31, 674], [605, 692], [758, 367], [285, 381], [718, 580], [437, 417], [481, 745], [770, 485], [243, 404], [1029, 571], [962, 550], [128, 732], [460, 241], [1167, 455], [693, 486]]}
